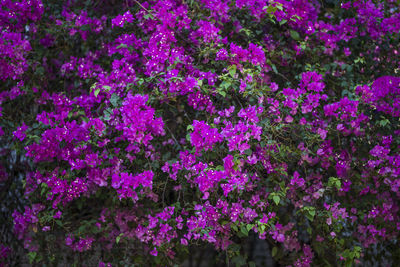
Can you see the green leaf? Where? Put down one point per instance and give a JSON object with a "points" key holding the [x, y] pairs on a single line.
{"points": [[44, 188], [86, 27], [96, 92], [107, 87], [122, 46], [246, 31], [232, 70], [334, 182], [249, 227], [92, 87], [295, 35], [309, 230], [270, 9], [239, 260], [384, 122], [234, 227], [274, 251], [140, 81], [81, 228], [244, 230], [118, 238], [276, 199], [234, 247], [219, 168], [225, 84], [248, 152], [310, 213], [282, 22], [114, 100], [32, 256], [274, 68], [148, 16], [107, 114]]}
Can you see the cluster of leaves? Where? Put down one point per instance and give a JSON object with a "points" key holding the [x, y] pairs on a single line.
{"points": [[148, 127]]}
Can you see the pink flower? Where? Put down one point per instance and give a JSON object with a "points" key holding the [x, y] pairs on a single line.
{"points": [[329, 221], [280, 238], [69, 240], [154, 252]]}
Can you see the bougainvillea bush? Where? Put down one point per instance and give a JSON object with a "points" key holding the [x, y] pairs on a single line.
{"points": [[148, 128]]}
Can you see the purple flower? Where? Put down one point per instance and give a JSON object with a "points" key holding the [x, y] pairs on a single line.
{"points": [[20, 132]]}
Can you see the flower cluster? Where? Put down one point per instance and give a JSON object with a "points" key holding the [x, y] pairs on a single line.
{"points": [[148, 127]]}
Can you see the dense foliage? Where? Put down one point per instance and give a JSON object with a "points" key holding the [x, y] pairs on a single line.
{"points": [[148, 127]]}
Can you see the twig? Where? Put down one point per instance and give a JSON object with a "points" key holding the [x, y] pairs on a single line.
{"points": [[173, 136], [148, 11], [163, 194]]}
